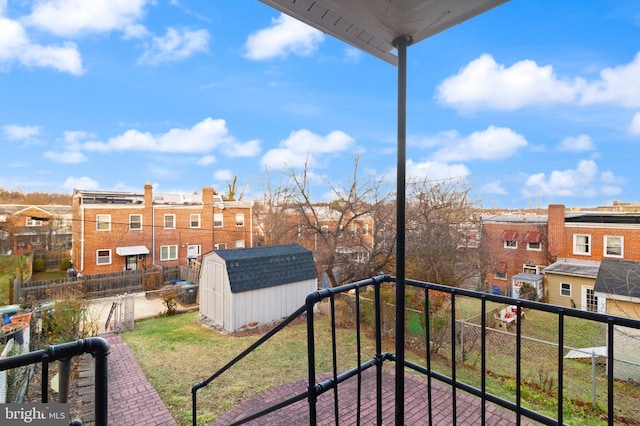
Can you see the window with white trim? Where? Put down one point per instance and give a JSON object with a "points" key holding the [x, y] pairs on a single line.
{"points": [[168, 252], [324, 229], [534, 246], [565, 289], [582, 244], [613, 246], [240, 220], [510, 244], [103, 222], [169, 221], [217, 220], [221, 246], [103, 257], [239, 243], [194, 220], [500, 275], [34, 222], [135, 222], [365, 229]]}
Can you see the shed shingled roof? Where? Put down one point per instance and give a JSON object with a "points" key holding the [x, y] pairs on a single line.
{"points": [[262, 267], [619, 278]]}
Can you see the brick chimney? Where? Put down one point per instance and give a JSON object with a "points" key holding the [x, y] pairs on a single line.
{"points": [[556, 229]]}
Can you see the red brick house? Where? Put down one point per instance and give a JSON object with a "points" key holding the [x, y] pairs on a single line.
{"points": [[580, 240], [512, 244], [116, 231]]}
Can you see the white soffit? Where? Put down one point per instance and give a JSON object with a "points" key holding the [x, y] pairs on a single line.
{"points": [[373, 25]]}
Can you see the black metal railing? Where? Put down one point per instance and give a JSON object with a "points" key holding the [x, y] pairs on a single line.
{"points": [[480, 391], [96, 346]]}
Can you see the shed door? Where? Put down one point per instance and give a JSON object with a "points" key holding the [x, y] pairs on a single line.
{"points": [[217, 294]]}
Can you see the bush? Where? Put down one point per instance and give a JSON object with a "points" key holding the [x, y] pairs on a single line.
{"points": [[38, 265], [65, 264]]}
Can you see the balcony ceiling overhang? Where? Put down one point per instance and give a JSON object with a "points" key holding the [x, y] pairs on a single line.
{"points": [[374, 25]]}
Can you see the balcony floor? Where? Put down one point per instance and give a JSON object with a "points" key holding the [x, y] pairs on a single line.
{"points": [[416, 413]]}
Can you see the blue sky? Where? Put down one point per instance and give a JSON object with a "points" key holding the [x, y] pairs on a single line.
{"points": [[534, 102]]}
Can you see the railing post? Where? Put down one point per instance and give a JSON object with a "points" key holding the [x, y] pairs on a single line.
{"points": [[311, 357], [64, 373]]}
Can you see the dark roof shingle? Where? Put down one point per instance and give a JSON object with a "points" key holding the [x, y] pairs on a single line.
{"points": [[262, 267]]}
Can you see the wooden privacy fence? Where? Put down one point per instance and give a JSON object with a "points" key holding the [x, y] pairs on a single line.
{"points": [[104, 285]]}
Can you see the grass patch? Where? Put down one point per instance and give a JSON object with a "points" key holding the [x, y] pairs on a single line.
{"points": [[175, 353], [9, 266]]}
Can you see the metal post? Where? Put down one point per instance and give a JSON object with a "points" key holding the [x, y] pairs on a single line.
{"points": [[401, 44]]}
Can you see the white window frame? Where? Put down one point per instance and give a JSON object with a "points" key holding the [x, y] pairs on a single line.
{"points": [[566, 288], [365, 229], [106, 257], [218, 220], [131, 222], [220, 246], [532, 246], [103, 222], [33, 222], [588, 244], [239, 243], [324, 229], [500, 275], [530, 267], [170, 216], [240, 220], [169, 252], [606, 246], [510, 244], [194, 220]]}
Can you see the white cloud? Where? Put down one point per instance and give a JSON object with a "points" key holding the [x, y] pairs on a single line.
{"points": [[247, 149], [619, 86], [175, 45], [304, 147], [77, 17], [203, 137], [484, 83], [67, 157], [634, 127], [84, 182], [493, 188], [15, 132], [433, 170], [223, 175], [583, 181], [16, 46], [494, 143], [206, 160], [286, 35], [576, 144]]}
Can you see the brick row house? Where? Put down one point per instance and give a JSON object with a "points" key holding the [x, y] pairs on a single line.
{"points": [[33, 228], [581, 241], [514, 249], [117, 231]]}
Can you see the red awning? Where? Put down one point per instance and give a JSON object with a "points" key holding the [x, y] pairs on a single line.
{"points": [[509, 235], [533, 237], [500, 267]]}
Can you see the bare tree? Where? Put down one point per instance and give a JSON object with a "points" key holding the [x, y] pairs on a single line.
{"points": [[343, 233], [442, 227]]}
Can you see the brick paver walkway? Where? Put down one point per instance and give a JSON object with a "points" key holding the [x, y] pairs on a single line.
{"points": [[416, 406], [132, 400]]}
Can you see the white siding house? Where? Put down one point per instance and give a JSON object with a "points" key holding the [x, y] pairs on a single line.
{"points": [[245, 287]]}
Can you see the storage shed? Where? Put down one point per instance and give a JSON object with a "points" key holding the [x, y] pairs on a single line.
{"points": [[247, 286]]}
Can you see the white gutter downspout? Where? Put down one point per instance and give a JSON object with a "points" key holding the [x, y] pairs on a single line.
{"points": [[82, 236]]}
